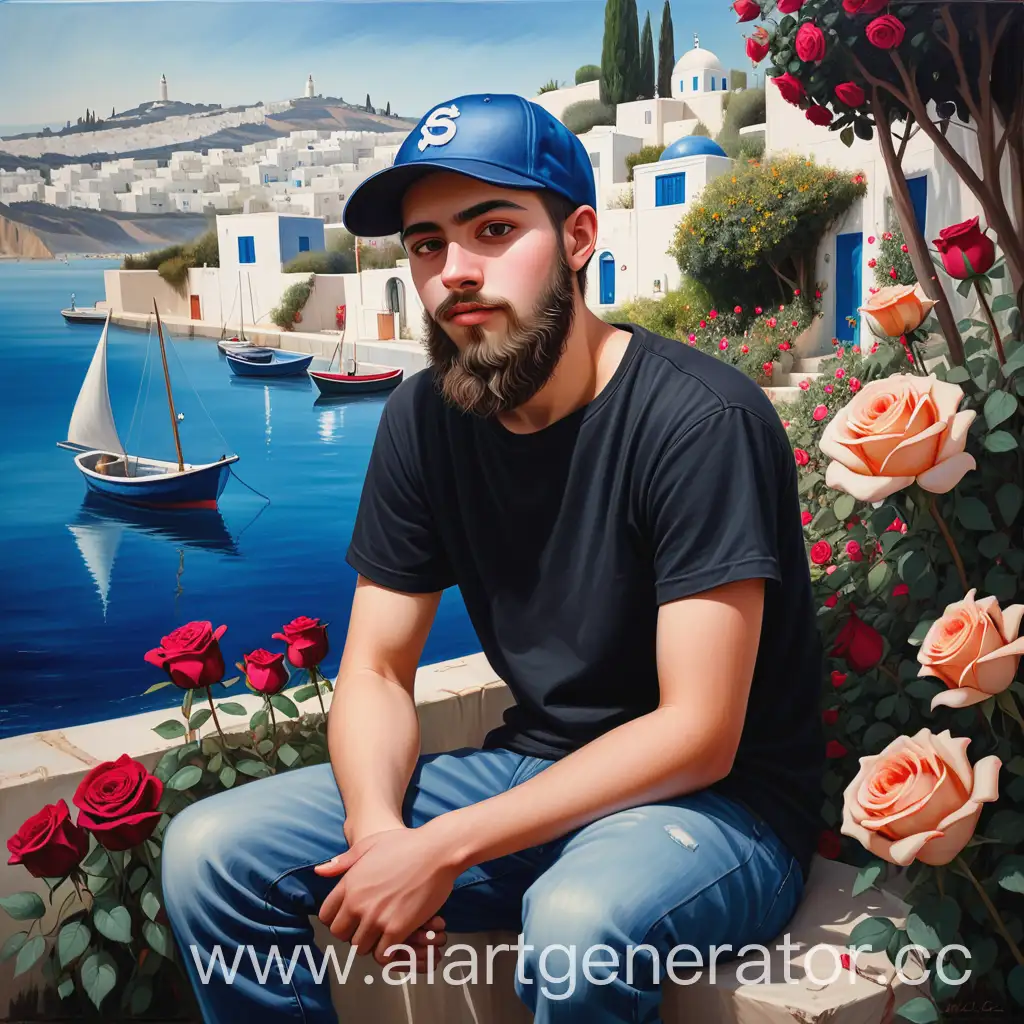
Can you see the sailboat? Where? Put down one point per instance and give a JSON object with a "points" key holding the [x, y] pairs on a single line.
{"points": [[133, 479]]}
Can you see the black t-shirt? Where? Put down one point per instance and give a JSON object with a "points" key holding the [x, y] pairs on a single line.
{"points": [[678, 477]]}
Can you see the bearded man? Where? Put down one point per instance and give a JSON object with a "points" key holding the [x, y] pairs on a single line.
{"points": [[620, 514]]}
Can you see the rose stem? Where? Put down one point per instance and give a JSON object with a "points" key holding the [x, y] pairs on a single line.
{"points": [[948, 537], [315, 673], [992, 323], [993, 913], [216, 721], [273, 720]]}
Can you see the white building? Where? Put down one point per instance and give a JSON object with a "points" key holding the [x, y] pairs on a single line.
{"points": [[310, 88], [163, 88]]}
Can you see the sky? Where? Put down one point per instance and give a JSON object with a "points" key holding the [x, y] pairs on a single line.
{"points": [[58, 58]]}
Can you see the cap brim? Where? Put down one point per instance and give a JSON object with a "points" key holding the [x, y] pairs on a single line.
{"points": [[375, 207]]}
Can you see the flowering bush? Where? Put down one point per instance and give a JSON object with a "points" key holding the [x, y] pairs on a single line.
{"points": [[912, 499], [111, 945], [892, 263]]}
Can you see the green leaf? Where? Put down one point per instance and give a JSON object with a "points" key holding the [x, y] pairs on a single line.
{"points": [[138, 877], [916, 638], [288, 754], [867, 876], [873, 932], [1000, 583], [878, 735], [157, 686], [993, 545], [1000, 441], [72, 941], [114, 922], [66, 987], [99, 976], [141, 997], [12, 945], [809, 482], [171, 729], [999, 407], [924, 688], [1003, 302], [1014, 363], [886, 706], [919, 1010], [878, 576], [232, 708], [227, 776], [958, 375], [259, 718], [215, 762], [846, 135], [97, 884], [199, 718], [1007, 826], [185, 778], [264, 747], [157, 938], [309, 690], [973, 514], [1009, 873], [23, 906], [844, 506], [150, 901], [933, 922], [29, 953], [285, 705], [1009, 498], [248, 766]]}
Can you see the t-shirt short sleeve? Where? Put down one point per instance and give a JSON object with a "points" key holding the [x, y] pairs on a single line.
{"points": [[395, 541], [713, 504]]}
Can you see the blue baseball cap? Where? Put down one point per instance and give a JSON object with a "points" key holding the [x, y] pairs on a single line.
{"points": [[499, 138]]}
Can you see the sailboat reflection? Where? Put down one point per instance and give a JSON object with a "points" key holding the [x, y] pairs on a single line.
{"points": [[100, 525]]}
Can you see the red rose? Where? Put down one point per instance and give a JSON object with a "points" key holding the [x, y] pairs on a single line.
{"points": [[833, 599], [850, 93], [818, 115], [49, 844], [810, 42], [767, 369], [191, 655], [966, 239], [266, 672], [859, 644], [864, 6], [885, 32], [805, 517], [118, 803], [854, 551], [789, 6], [746, 10], [757, 51], [838, 678], [821, 553], [307, 641], [900, 590], [835, 749], [802, 458], [829, 845], [792, 89], [830, 716]]}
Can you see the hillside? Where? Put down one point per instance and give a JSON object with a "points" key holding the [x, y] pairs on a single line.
{"points": [[39, 230]]}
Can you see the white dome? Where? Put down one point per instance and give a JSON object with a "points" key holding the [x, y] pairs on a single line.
{"points": [[697, 60]]}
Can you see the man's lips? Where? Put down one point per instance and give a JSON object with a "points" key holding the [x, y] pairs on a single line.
{"points": [[466, 314]]}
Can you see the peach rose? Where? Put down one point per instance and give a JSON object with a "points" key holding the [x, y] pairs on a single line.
{"points": [[974, 649], [919, 799], [897, 430], [896, 310]]}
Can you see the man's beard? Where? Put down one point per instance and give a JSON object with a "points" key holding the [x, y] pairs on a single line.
{"points": [[493, 376]]}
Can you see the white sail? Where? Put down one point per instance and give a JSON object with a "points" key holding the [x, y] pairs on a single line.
{"points": [[98, 542], [92, 421]]}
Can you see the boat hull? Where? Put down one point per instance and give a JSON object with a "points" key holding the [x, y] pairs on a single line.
{"points": [[153, 483], [84, 316], [334, 384], [282, 365]]}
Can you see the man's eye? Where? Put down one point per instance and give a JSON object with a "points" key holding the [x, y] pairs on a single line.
{"points": [[497, 230], [430, 245]]}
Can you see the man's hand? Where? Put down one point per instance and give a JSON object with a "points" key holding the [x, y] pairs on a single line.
{"points": [[393, 884]]}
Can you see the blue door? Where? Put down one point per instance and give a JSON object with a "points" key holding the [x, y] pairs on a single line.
{"points": [[918, 188], [607, 278], [848, 285]]}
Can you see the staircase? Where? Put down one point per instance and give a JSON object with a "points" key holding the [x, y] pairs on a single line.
{"points": [[787, 390]]}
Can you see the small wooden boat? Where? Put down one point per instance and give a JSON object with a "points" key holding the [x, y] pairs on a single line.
{"points": [[334, 384], [84, 315], [226, 345], [110, 471], [281, 364]]}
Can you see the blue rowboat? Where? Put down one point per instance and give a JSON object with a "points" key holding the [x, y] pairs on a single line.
{"points": [[281, 364]]}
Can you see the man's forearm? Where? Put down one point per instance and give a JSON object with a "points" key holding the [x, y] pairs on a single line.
{"points": [[374, 740], [647, 760]]}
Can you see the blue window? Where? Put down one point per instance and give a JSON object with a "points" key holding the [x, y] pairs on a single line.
{"points": [[725, 84], [298, 183], [303, 243], [266, 178], [670, 189], [712, 84], [919, 197], [246, 249], [694, 83]]}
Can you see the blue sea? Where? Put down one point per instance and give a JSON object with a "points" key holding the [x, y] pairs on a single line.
{"points": [[88, 587]]}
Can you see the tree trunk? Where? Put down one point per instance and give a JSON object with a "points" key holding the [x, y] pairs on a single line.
{"points": [[919, 257]]}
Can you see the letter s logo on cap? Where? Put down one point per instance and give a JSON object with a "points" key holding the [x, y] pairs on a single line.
{"points": [[439, 118]]}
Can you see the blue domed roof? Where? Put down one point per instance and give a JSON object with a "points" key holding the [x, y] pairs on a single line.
{"points": [[692, 145]]}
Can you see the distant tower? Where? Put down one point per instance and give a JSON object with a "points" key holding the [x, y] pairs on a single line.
{"points": [[310, 89], [696, 41], [163, 88]]}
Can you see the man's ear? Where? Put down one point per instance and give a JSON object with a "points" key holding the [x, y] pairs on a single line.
{"points": [[580, 232]]}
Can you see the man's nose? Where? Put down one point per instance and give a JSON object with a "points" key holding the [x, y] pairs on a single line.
{"points": [[462, 270]]}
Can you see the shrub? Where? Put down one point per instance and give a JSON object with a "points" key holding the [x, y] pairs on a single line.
{"points": [[551, 85], [322, 262], [175, 272], [588, 73], [671, 316], [893, 255], [751, 147], [292, 301], [581, 116], [622, 201], [152, 260], [205, 251], [700, 128], [645, 155], [744, 109], [755, 232]]}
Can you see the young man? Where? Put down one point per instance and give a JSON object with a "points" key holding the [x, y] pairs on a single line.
{"points": [[620, 514]]}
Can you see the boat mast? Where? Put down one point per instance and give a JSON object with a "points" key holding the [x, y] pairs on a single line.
{"points": [[241, 309], [359, 278], [170, 397]]}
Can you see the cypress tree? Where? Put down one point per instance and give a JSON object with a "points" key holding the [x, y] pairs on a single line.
{"points": [[387, 112], [369, 108], [666, 53], [647, 61], [631, 54], [611, 53]]}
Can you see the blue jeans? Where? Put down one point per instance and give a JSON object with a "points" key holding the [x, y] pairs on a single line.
{"points": [[700, 869]]}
